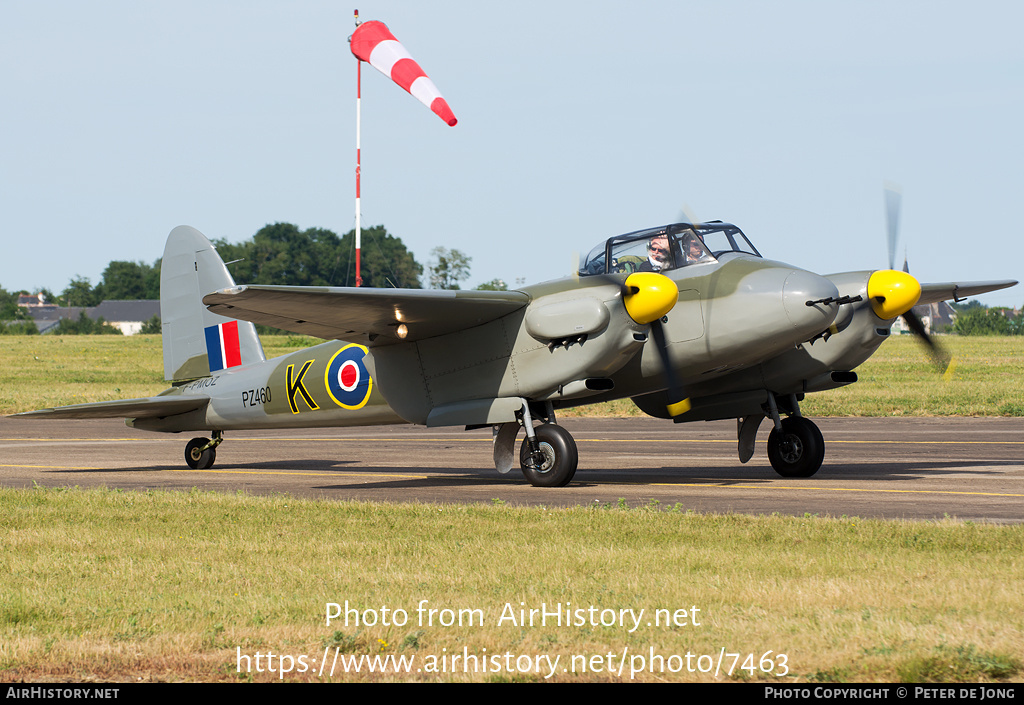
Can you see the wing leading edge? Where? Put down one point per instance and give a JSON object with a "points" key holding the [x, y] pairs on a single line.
{"points": [[370, 316], [933, 293]]}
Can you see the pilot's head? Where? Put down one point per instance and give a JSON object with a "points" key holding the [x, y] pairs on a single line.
{"points": [[657, 250], [692, 248]]}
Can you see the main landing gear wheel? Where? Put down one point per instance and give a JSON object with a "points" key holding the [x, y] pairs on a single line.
{"points": [[799, 450], [196, 457], [556, 459]]}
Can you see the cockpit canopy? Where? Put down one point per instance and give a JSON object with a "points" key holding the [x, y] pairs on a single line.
{"points": [[666, 247]]}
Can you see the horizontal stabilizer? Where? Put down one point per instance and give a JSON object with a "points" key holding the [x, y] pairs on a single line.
{"points": [[363, 315], [147, 407], [946, 291]]}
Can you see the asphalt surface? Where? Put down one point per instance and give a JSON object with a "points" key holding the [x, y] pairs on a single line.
{"points": [[909, 468]]}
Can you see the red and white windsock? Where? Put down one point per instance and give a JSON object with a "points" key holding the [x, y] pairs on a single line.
{"points": [[373, 43]]}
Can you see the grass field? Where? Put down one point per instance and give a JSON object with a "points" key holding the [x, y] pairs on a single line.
{"points": [[988, 378], [126, 586], [111, 585]]}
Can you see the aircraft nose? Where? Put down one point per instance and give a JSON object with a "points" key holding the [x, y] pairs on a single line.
{"points": [[802, 287]]}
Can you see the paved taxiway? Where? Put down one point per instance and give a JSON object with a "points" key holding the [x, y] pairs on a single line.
{"points": [[909, 468]]}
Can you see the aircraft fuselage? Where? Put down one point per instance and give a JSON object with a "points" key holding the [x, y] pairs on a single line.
{"points": [[573, 344]]}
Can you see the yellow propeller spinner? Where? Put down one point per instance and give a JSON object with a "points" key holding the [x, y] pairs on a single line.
{"points": [[650, 296], [892, 293]]}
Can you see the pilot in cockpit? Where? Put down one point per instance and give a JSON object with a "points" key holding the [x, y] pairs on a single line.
{"points": [[693, 250], [658, 255]]}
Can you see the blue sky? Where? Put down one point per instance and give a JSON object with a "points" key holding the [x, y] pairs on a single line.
{"points": [[577, 121]]}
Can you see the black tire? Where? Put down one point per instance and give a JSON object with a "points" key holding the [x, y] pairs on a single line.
{"points": [[560, 457], [799, 450], [199, 460]]}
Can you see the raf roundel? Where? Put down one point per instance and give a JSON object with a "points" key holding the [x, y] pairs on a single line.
{"points": [[347, 379]]}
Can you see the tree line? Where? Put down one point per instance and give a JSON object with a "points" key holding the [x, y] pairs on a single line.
{"points": [[280, 253], [973, 318]]}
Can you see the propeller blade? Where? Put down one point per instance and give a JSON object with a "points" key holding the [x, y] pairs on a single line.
{"points": [[893, 197], [688, 215], [616, 281], [898, 292], [942, 359], [678, 402]]}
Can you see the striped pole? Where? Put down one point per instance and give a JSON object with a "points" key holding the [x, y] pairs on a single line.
{"points": [[359, 160]]}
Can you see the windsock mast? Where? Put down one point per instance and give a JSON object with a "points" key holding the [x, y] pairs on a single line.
{"points": [[374, 43], [359, 160]]}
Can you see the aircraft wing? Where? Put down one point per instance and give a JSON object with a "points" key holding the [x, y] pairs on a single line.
{"points": [[146, 407], [933, 293], [363, 315]]}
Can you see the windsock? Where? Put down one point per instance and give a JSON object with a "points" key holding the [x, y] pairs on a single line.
{"points": [[373, 43]]}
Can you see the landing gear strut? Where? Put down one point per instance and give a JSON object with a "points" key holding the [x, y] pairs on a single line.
{"points": [[201, 452], [548, 456], [795, 446]]}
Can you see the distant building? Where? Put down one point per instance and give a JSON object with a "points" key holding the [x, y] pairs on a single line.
{"points": [[126, 316], [1010, 313], [31, 300], [936, 318]]}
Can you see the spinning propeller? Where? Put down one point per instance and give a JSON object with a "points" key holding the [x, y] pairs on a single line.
{"points": [[648, 297], [893, 293]]}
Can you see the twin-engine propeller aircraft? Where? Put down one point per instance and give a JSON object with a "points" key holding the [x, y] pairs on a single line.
{"points": [[688, 320]]}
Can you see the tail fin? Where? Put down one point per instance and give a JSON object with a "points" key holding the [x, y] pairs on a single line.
{"points": [[197, 342]]}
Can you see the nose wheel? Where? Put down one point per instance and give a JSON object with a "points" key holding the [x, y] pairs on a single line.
{"points": [[798, 450]]}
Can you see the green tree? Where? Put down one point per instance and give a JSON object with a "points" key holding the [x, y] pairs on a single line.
{"points": [[14, 319], [385, 261], [981, 321], [85, 326], [1017, 325], [972, 303], [283, 254], [79, 293], [152, 327], [129, 281], [279, 253], [9, 308], [28, 327], [448, 268], [493, 285]]}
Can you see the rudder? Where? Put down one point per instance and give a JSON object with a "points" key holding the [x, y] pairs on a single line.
{"points": [[197, 342]]}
